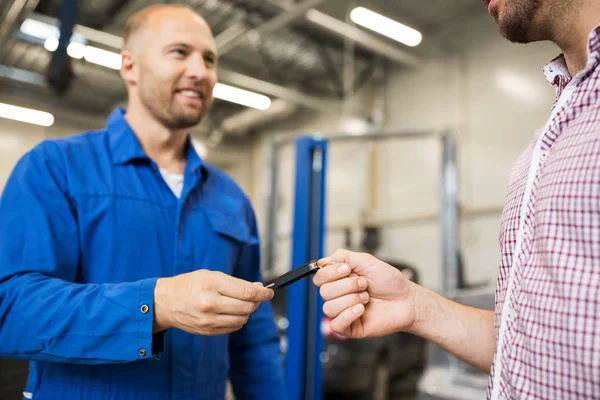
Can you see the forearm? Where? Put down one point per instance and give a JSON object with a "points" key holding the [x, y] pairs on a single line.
{"points": [[49, 319], [466, 332]]}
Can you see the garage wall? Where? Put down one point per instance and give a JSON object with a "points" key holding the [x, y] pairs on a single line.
{"points": [[16, 138], [491, 93]]}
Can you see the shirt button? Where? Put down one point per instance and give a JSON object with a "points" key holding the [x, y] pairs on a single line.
{"points": [[510, 314], [144, 309], [142, 352]]}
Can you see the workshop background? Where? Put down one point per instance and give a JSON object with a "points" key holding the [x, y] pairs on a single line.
{"points": [[324, 72]]}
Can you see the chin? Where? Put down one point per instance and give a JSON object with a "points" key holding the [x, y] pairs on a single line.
{"points": [[186, 120], [186, 123], [519, 21], [514, 31]]}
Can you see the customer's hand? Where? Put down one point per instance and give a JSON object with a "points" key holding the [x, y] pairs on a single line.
{"points": [[364, 296], [206, 302]]}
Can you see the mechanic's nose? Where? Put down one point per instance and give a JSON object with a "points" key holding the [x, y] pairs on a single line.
{"points": [[196, 67]]}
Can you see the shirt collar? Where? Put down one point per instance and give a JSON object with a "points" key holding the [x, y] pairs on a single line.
{"points": [[125, 147], [123, 144], [556, 71]]}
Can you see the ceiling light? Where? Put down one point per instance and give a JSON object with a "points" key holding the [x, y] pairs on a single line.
{"points": [[43, 31], [102, 57], [26, 115], [355, 126], [385, 26], [91, 54], [38, 29], [78, 49], [240, 96], [51, 44]]}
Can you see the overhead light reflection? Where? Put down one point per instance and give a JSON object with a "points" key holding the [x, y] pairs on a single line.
{"points": [[386, 26]]}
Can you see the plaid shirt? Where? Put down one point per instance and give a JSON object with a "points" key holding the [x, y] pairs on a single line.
{"points": [[548, 293]]}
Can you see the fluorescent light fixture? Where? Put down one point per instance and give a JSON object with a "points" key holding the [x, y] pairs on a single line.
{"points": [[105, 58], [385, 26], [43, 31], [91, 54], [26, 115], [354, 126], [78, 49], [241, 96], [39, 30], [51, 44]]}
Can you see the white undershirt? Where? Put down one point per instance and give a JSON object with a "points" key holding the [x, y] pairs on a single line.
{"points": [[174, 181]]}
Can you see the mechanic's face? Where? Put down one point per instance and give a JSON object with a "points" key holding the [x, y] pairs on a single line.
{"points": [[521, 21], [177, 68]]}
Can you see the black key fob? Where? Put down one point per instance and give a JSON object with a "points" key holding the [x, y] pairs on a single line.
{"points": [[295, 275]]}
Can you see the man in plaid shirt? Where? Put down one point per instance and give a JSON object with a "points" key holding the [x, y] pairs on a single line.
{"points": [[543, 339]]}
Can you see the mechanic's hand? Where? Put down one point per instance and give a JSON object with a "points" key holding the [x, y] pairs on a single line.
{"points": [[206, 302], [364, 296]]}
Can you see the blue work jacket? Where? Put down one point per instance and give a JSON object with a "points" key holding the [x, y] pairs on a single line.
{"points": [[87, 225]]}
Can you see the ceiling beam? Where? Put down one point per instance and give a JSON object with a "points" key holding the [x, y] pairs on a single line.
{"points": [[363, 39], [15, 14], [227, 76], [238, 34], [284, 93]]}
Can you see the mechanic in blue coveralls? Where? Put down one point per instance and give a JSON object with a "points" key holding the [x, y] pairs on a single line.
{"points": [[128, 266]]}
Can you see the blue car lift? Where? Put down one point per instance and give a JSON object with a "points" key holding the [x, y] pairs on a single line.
{"points": [[304, 305]]}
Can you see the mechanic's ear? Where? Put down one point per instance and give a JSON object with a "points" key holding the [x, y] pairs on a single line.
{"points": [[129, 69]]}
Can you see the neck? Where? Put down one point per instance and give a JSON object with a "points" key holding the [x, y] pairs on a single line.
{"points": [[572, 35], [163, 145]]}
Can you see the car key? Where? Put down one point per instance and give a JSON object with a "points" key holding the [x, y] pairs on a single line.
{"points": [[295, 275]]}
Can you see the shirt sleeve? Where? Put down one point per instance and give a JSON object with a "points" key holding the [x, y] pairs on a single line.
{"points": [[255, 361], [44, 314]]}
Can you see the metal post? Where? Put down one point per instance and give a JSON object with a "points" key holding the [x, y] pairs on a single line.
{"points": [[304, 306], [449, 216], [272, 206], [60, 72]]}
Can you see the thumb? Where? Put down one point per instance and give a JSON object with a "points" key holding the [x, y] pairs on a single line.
{"points": [[352, 258], [269, 292]]}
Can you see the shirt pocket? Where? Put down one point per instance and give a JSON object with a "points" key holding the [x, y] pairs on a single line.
{"points": [[230, 226], [231, 233]]}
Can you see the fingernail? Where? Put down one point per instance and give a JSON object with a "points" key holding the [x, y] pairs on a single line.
{"points": [[364, 296], [362, 283], [357, 309], [343, 269]]}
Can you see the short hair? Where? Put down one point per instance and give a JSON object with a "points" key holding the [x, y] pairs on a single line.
{"points": [[137, 22]]}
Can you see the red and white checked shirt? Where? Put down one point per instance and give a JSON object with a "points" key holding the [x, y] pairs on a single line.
{"points": [[548, 293]]}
